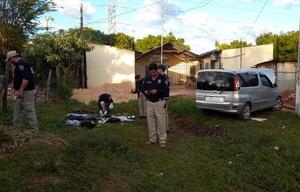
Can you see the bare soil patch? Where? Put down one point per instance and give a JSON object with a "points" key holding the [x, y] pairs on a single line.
{"points": [[119, 92], [197, 130], [13, 139], [46, 179], [288, 98]]}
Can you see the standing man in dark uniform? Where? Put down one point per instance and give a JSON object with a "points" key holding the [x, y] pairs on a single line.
{"points": [[139, 90], [162, 72], [24, 88], [156, 87]]}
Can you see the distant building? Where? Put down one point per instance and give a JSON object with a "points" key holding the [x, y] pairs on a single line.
{"points": [[246, 57], [181, 64], [210, 60], [109, 65], [285, 72]]}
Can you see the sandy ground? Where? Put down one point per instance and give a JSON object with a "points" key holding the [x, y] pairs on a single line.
{"points": [[182, 90], [121, 92], [288, 98]]}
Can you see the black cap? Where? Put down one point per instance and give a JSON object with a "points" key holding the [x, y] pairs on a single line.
{"points": [[152, 66], [162, 67]]}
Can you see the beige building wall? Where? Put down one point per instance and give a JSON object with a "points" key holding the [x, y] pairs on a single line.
{"points": [[231, 59], [286, 78], [106, 64]]}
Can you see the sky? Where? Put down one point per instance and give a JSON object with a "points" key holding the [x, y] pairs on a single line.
{"points": [[199, 22]]}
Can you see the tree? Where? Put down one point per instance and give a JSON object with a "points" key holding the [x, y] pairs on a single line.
{"points": [[151, 41], [232, 45], [285, 44], [19, 20], [120, 40], [57, 52], [89, 34]]}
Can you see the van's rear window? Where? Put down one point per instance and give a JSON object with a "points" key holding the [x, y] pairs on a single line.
{"points": [[212, 80]]}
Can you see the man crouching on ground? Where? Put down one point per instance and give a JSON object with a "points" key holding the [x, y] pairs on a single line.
{"points": [[156, 87], [24, 87], [105, 104]]}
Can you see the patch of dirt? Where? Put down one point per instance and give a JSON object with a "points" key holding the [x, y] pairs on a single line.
{"points": [[16, 139], [14, 142], [182, 90], [3, 156], [46, 179], [106, 187], [288, 98], [49, 139], [189, 127], [119, 92]]}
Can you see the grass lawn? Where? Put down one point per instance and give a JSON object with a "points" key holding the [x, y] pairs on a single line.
{"points": [[206, 152]]}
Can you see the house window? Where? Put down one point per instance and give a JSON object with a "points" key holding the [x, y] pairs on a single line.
{"points": [[201, 65], [206, 65]]}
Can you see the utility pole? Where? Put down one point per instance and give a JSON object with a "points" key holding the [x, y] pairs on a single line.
{"points": [[49, 18], [162, 37], [112, 17], [298, 77], [82, 79]]}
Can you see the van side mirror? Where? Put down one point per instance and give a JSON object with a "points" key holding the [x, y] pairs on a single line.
{"points": [[275, 85]]}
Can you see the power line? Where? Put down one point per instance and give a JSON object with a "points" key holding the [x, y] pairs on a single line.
{"points": [[260, 12], [198, 5], [252, 10], [126, 12]]}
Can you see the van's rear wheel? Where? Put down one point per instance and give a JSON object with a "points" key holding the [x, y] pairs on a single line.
{"points": [[278, 104], [245, 112]]}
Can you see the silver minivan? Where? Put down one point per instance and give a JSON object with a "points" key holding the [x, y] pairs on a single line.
{"points": [[239, 91]]}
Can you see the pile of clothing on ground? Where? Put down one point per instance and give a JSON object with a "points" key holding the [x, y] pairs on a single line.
{"points": [[87, 119]]}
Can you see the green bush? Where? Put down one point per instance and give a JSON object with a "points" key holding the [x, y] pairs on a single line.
{"points": [[63, 91]]}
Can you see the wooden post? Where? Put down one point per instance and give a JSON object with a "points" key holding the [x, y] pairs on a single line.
{"points": [[48, 86], [5, 87]]}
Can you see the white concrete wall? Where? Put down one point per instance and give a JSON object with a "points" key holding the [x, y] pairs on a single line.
{"points": [[106, 64], [230, 58], [286, 78]]}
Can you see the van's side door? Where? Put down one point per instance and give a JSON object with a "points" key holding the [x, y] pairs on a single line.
{"points": [[266, 91], [249, 83]]}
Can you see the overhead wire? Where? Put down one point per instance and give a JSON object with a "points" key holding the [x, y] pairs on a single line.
{"points": [[126, 12], [257, 17]]}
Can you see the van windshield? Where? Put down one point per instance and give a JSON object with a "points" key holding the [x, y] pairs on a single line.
{"points": [[215, 80]]}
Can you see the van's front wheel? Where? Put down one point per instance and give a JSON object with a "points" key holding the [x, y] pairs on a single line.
{"points": [[278, 104], [245, 112]]}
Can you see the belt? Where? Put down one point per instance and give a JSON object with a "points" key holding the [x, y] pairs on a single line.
{"points": [[155, 100]]}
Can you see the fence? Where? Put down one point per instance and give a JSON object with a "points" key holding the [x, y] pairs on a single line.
{"points": [[286, 82]]}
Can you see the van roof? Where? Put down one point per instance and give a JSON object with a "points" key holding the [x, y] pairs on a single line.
{"points": [[268, 72], [241, 70]]}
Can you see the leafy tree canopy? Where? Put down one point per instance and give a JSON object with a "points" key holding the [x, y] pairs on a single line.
{"points": [[19, 20], [151, 41], [232, 45], [285, 44], [119, 40], [57, 52]]}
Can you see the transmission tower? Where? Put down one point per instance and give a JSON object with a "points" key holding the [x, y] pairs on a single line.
{"points": [[111, 16]]}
